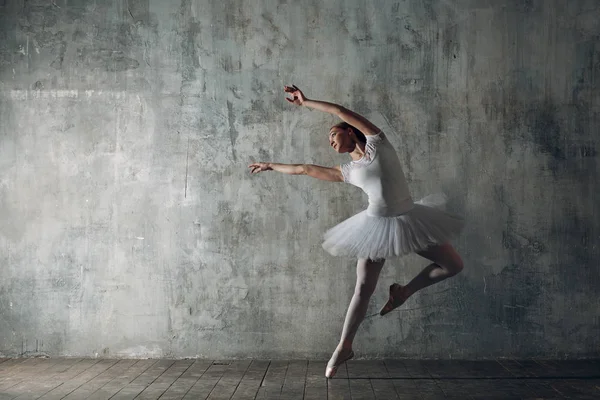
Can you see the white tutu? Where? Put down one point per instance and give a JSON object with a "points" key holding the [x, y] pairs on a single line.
{"points": [[366, 236]]}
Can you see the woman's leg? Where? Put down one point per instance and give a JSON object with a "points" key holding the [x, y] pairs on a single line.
{"points": [[446, 263], [367, 274]]}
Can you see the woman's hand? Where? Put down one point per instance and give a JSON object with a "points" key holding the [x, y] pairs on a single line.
{"points": [[259, 167], [298, 97]]}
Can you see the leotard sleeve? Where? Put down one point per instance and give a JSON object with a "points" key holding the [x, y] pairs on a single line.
{"points": [[375, 139]]}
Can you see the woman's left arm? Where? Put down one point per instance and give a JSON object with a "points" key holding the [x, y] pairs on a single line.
{"points": [[349, 116], [333, 174]]}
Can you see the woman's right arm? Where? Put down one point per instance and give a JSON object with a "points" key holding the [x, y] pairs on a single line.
{"points": [[349, 116], [314, 171]]}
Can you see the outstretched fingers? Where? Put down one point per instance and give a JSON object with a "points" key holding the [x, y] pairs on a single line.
{"points": [[255, 168], [289, 89], [297, 95]]}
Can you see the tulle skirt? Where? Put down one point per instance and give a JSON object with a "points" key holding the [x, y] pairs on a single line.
{"points": [[367, 236]]}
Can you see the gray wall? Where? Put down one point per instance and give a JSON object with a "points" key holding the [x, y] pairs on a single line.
{"points": [[131, 227]]}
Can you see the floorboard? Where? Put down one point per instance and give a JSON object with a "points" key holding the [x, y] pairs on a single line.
{"points": [[141, 382], [103, 379], [294, 383], [69, 385], [34, 388], [230, 380], [186, 381], [165, 380], [114, 386], [272, 384], [250, 383], [315, 385], [339, 386]]}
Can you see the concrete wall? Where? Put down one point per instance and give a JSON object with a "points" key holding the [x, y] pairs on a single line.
{"points": [[131, 227]]}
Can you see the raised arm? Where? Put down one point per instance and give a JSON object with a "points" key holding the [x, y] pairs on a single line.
{"points": [[349, 116], [315, 171]]}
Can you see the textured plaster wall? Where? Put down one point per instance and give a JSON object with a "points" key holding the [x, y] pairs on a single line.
{"points": [[131, 227]]}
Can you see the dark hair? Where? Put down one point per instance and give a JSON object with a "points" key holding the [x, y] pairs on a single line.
{"points": [[344, 125]]}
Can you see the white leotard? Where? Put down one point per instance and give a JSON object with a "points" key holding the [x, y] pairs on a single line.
{"points": [[379, 174]]}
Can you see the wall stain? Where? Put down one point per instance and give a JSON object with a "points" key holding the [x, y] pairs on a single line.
{"points": [[106, 59], [527, 116], [233, 133], [511, 306]]}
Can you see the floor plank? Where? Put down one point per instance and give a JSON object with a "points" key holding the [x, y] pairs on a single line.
{"points": [[415, 368], [141, 382], [445, 368], [6, 366], [88, 388], [250, 384], [483, 388], [26, 372], [529, 369], [578, 368], [525, 368], [207, 382], [396, 369], [165, 380], [425, 385], [577, 388], [315, 387], [73, 383], [126, 377], [359, 380], [542, 388], [184, 383], [404, 386], [293, 385], [483, 369], [45, 382], [273, 382], [101, 379], [230, 380], [383, 387], [75, 370], [23, 371], [338, 387]]}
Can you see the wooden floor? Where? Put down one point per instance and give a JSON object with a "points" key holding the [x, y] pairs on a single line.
{"points": [[77, 378]]}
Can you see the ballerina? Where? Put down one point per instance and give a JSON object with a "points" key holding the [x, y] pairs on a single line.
{"points": [[392, 225]]}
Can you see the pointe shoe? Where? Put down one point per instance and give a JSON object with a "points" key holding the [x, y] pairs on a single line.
{"points": [[392, 303], [331, 371]]}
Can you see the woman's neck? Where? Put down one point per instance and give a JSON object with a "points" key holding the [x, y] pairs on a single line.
{"points": [[358, 152]]}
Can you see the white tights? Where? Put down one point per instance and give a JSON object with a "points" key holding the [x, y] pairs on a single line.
{"points": [[367, 275], [446, 263]]}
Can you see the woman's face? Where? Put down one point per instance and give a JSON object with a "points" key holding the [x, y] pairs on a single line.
{"points": [[339, 140]]}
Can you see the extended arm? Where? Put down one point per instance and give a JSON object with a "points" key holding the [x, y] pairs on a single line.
{"points": [[349, 116], [315, 171]]}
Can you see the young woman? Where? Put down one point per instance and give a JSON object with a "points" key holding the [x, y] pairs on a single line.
{"points": [[392, 224]]}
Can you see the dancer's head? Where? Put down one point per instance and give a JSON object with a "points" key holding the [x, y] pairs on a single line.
{"points": [[343, 137]]}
